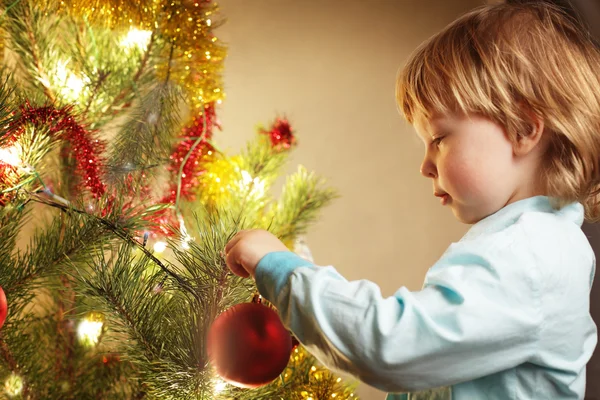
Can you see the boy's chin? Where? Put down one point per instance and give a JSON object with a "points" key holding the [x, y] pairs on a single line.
{"points": [[464, 216]]}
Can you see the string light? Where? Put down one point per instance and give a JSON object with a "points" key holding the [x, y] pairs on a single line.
{"points": [[90, 330], [159, 247], [258, 185], [219, 385], [74, 84], [10, 155], [137, 38], [71, 86], [185, 243], [13, 385], [186, 238], [84, 146]]}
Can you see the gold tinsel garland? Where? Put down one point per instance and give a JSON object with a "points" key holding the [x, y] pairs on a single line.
{"points": [[220, 180], [197, 55], [319, 383]]}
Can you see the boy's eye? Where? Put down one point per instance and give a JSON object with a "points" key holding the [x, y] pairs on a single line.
{"points": [[437, 141]]}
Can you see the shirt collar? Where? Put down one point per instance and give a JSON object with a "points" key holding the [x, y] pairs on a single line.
{"points": [[509, 214]]}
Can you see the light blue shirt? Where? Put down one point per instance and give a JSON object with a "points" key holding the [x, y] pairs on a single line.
{"points": [[503, 314]]}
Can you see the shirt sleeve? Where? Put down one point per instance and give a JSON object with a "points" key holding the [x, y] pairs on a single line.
{"points": [[478, 313]]}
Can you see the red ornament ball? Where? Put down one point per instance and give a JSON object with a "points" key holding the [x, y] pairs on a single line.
{"points": [[3, 307], [248, 345]]}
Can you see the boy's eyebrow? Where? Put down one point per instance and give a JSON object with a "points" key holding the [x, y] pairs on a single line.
{"points": [[428, 129], [437, 126], [422, 138]]}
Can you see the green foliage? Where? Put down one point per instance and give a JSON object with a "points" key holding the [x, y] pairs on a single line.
{"points": [[71, 259], [144, 141]]}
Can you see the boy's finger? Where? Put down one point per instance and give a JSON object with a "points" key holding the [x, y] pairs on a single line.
{"points": [[234, 265], [236, 238]]}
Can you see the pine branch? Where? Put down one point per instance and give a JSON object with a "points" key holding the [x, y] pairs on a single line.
{"points": [[30, 37], [7, 356], [217, 288], [146, 138], [120, 233], [260, 159], [128, 288], [11, 222], [102, 77], [157, 312], [124, 289], [37, 63], [46, 253], [144, 61], [304, 194], [125, 292], [257, 170], [117, 72], [24, 274]]}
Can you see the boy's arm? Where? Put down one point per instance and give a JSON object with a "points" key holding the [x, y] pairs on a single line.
{"points": [[463, 325]]}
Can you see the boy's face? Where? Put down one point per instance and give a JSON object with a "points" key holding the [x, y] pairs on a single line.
{"points": [[470, 159]]}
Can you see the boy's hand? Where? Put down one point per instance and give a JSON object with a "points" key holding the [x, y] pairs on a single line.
{"points": [[247, 248]]}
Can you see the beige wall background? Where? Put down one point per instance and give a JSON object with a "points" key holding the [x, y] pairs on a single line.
{"points": [[330, 67]]}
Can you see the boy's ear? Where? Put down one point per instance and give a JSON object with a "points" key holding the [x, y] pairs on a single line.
{"points": [[530, 139]]}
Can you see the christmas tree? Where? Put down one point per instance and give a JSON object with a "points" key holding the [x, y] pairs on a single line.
{"points": [[116, 205]]}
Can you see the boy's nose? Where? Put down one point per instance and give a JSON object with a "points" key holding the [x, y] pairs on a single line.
{"points": [[428, 169]]}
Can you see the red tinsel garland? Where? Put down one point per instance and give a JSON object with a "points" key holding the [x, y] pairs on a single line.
{"points": [[7, 179], [281, 134], [83, 146], [193, 167]]}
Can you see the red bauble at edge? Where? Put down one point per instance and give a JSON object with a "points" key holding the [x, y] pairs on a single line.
{"points": [[248, 345], [3, 307]]}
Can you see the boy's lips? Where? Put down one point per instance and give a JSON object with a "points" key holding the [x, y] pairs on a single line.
{"points": [[444, 197]]}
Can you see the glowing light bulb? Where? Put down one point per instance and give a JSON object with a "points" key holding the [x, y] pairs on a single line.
{"points": [[219, 386], [61, 71], [137, 37], [70, 85], [258, 184], [159, 247], [13, 385], [186, 238], [246, 177], [74, 84], [90, 329], [10, 156]]}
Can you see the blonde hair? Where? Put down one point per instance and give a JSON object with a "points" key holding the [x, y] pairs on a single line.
{"points": [[505, 62]]}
